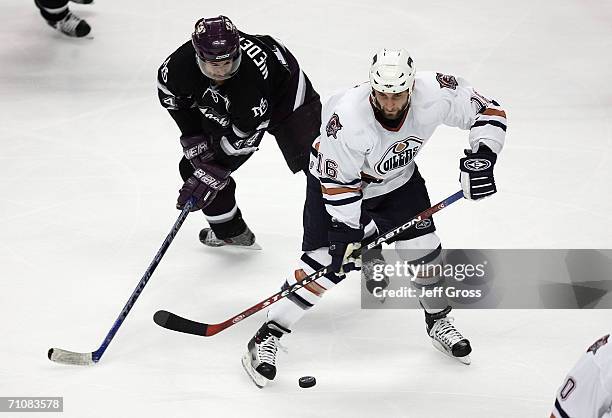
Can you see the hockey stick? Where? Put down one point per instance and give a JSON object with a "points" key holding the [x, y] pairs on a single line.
{"points": [[177, 323], [86, 359]]}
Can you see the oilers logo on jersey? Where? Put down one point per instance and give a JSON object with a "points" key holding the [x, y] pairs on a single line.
{"points": [[448, 81], [598, 344], [368, 160], [333, 126], [398, 155]]}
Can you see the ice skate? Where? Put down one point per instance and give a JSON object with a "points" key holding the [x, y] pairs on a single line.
{"points": [[372, 273], [260, 359], [71, 25], [446, 338], [244, 240]]}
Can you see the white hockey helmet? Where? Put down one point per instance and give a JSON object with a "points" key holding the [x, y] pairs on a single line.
{"points": [[392, 71]]}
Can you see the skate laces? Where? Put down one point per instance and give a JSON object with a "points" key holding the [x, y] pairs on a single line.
{"points": [[444, 331], [268, 348], [211, 238], [69, 23]]}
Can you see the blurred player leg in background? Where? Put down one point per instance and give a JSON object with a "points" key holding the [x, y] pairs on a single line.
{"points": [[58, 16]]}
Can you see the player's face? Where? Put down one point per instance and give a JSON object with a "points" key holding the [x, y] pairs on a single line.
{"points": [[219, 70], [392, 104]]}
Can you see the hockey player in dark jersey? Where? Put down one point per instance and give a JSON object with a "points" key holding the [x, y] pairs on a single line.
{"points": [[225, 89]]}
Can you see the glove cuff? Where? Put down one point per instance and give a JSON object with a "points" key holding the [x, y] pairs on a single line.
{"points": [[195, 145]]}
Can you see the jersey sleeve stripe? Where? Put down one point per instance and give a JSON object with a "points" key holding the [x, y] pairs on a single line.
{"points": [[263, 125], [489, 122], [342, 202], [228, 149], [494, 112], [562, 413], [239, 133], [339, 190], [343, 183], [164, 89], [340, 196], [301, 92]]}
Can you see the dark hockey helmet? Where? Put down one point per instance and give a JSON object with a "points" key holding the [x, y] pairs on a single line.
{"points": [[216, 40]]}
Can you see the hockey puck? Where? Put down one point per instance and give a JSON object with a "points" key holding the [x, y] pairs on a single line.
{"points": [[307, 381]]}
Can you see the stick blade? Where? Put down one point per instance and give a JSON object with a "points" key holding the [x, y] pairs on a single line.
{"points": [[175, 322], [70, 357]]}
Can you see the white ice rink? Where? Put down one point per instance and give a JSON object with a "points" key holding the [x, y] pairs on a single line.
{"points": [[89, 179]]}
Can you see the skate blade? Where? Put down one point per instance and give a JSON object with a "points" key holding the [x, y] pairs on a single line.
{"points": [[256, 378], [465, 359], [255, 246]]}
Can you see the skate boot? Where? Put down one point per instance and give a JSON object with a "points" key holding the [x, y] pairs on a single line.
{"points": [[372, 267], [446, 338], [260, 360], [246, 239], [71, 25], [374, 277]]}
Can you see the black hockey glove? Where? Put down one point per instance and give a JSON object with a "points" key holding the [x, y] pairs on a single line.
{"points": [[197, 148], [476, 177], [344, 247], [204, 185]]}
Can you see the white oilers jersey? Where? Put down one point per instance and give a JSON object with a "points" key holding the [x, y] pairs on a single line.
{"points": [[356, 157], [586, 391]]}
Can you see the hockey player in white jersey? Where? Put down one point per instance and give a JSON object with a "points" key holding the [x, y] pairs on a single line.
{"points": [[363, 181], [586, 391]]}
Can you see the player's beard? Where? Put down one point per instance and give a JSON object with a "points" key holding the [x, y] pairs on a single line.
{"points": [[395, 115]]}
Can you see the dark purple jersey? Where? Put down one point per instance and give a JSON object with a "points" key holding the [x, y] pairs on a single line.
{"points": [[268, 87]]}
